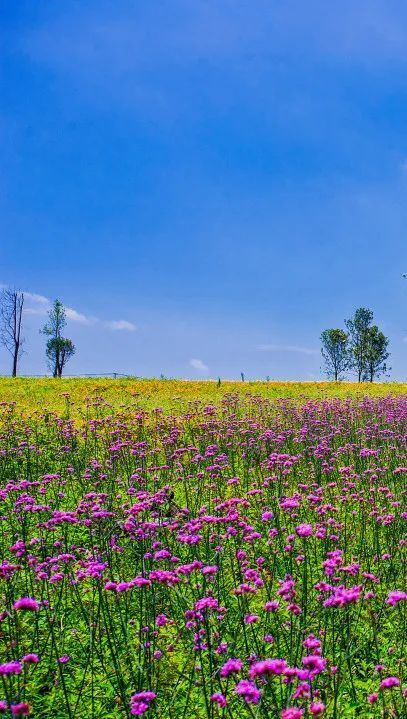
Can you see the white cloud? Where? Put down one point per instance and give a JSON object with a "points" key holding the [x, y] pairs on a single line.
{"points": [[79, 317], [35, 311], [37, 299], [35, 304], [120, 325], [40, 305], [287, 348], [199, 365]]}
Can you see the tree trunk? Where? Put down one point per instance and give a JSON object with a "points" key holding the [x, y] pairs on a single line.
{"points": [[15, 357], [56, 368]]}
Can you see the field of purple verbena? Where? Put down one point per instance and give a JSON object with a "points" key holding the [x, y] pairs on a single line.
{"points": [[234, 561]]}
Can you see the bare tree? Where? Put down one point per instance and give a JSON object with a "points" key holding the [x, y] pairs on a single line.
{"points": [[11, 313]]}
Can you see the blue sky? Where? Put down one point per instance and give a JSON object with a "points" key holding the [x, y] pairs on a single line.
{"points": [[206, 184]]}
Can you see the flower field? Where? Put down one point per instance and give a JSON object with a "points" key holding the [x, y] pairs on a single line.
{"points": [[202, 554], [172, 395]]}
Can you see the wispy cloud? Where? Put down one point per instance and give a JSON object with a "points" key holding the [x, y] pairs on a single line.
{"points": [[79, 317], [37, 299], [199, 365], [120, 325], [35, 311], [287, 348], [36, 304]]}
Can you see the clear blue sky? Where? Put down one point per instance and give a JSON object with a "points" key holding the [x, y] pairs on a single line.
{"points": [[206, 184]]}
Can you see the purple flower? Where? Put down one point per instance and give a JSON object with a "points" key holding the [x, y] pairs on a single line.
{"points": [[248, 691], [250, 618], [389, 682], [26, 603], [271, 606], [304, 530], [292, 713], [12, 667], [311, 642], [314, 663], [317, 708], [110, 586], [396, 596], [343, 596], [161, 620], [140, 702], [219, 699], [232, 666], [268, 666], [20, 710], [31, 659], [212, 569], [139, 708]]}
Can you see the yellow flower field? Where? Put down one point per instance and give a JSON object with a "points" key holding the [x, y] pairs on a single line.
{"points": [[33, 393]]}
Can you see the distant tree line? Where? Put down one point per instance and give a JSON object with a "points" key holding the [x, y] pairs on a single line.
{"points": [[58, 349], [360, 348]]}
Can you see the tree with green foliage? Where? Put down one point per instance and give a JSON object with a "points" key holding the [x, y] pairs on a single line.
{"points": [[335, 351], [377, 354], [368, 346], [58, 349], [358, 328]]}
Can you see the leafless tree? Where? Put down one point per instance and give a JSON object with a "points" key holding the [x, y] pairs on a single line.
{"points": [[11, 313]]}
